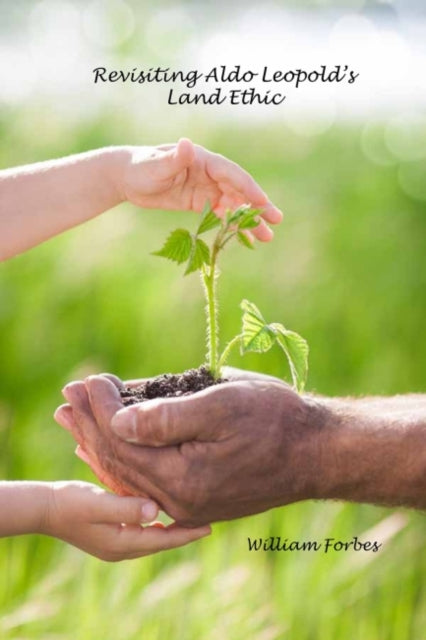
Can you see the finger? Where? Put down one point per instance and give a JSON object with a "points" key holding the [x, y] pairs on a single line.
{"points": [[76, 394], [81, 453], [104, 448], [170, 421], [168, 164], [184, 153], [133, 384], [262, 232], [140, 541], [114, 379], [139, 470], [272, 214], [234, 374], [64, 417], [115, 510], [227, 173], [104, 399], [83, 428]]}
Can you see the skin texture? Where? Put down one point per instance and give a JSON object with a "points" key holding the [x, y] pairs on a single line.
{"points": [[250, 445], [89, 518], [234, 463], [39, 201]]}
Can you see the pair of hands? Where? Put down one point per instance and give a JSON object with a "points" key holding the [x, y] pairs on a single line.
{"points": [[232, 450], [181, 176]]}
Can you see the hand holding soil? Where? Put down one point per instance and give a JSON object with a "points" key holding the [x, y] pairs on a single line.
{"points": [[231, 450], [248, 445]]}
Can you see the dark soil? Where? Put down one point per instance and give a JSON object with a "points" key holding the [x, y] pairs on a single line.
{"points": [[170, 385]]}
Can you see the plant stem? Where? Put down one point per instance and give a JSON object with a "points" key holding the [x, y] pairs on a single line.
{"points": [[231, 344], [209, 280], [209, 276], [212, 338]]}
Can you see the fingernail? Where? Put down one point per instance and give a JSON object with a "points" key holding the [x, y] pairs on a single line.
{"points": [[65, 391], [80, 453], [63, 419], [124, 423], [149, 511]]}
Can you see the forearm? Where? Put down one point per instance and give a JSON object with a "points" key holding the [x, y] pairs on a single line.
{"points": [[373, 450], [23, 506], [41, 200]]}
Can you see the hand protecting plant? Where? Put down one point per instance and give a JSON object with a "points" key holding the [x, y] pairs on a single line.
{"points": [[182, 246]]}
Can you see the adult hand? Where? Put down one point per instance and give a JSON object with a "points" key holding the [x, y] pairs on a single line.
{"points": [[229, 451], [184, 176]]}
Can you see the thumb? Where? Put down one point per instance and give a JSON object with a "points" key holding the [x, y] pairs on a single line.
{"points": [[169, 421], [184, 153], [115, 510], [170, 163]]}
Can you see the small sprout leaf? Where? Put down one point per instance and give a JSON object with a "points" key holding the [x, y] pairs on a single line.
{"points": [[249, 222], [296, 349], [177, 246], [209, 220], [242, 238], [256, 334], [200, 254], [232, 217]]}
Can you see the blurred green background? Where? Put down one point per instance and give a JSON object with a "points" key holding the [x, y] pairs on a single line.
{"points": [[347, 270]]}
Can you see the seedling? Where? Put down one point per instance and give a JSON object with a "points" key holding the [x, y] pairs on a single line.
{"points": [[182, 246]]}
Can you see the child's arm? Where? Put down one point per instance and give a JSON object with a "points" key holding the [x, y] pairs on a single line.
{"points": [[89, 518], [41, 200]]}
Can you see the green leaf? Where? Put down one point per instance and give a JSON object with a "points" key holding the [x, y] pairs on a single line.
{"points": [[242, 238], [296, 349], [209, 220], [243, 217], [177, 246], [256, 334], [233, 216], [248, 223], [200, 254]]}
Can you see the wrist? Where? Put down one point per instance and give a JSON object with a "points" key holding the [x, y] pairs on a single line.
{"points": [[302, 440], [26, 505], [116, 162], [313, 462], [332, 450], [43, 521]]}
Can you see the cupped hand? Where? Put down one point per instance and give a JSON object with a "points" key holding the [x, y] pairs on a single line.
{"points": [[184, 176], [231, 450], [108, 526]]}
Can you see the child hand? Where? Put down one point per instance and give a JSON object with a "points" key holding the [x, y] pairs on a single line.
{"points": [[108, 526], [184, 176]]}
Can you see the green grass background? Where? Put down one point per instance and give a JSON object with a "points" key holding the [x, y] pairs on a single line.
{"points": [[347, 270]]}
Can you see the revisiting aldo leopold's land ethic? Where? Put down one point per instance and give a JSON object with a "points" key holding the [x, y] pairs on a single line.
{"points": [[222, 75]]}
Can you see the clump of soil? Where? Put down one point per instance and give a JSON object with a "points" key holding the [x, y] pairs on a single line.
{"points": [[170, 385]]}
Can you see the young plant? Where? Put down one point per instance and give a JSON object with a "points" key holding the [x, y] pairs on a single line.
{"points": [[256, 334]]}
